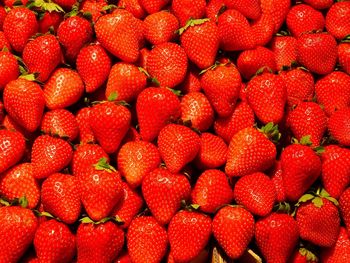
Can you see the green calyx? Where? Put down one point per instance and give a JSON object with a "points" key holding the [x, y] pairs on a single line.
{"points": [[317, 198], [282, 207], [214, 66], [151, 79], [271, 131], [88, 220], [191, 22], [310, 257], [46, 5], [189, 207], [306, 141], [103, 165]]}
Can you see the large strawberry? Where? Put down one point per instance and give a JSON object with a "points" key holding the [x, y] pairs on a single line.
{"points": [[187, 9], [337, 20], [340, 252], [285, 49], [12, 148], [9, 70], [344, 56], [83, 119], [163, 192], [278, 9], [338, 126]]}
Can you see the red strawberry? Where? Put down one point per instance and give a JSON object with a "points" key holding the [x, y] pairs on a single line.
{"points": [[319, 4], [285, 49], [278, 9], [300, 169], [263, 29], [99, 243], [167, 63], [155, 107], [221, 85], [249, 8], [338, 126], [12, 148], [317, 52], [267, 95], [277, 179], [303, 18], [163, 192], [340, 252], [50, 155], [24, 102], [63, 89], [213, 9], [302, 255], [338, 21], [276, 236], [256, 193], [250, 61], [189, 233], [11, 125], [93, 65], [249, 151], [134, 7], [344, 56], [94, 7], [83, 120], [3, 14], [344, 207], [146, 240], [50, 20], [233, 228], [60, 197], [18, 226], [211, 191], [54, 242], [19, 25], [186, 9], [19, 182], [160, 27], [66, 4], [153, 6], [4, 42], [136, 159], [9, 68]]}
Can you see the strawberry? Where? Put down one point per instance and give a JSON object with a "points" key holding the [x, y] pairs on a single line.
{"points": [[19, 25], [317, 52], [213, 8], [211, 191], [147, 240], [11, 125], [178, 145], [73, 33], [63, 89], [126, 80], [50, 20], [267, 95], [94, 7], [249, 8], [285, 49], [276, 236], [160, 103], [186, 9], [19, 182], [263, 29], [50, 155], [221, 85], [338, 126], [242, 117], [167, 63], [54, 242], [319, 4], [344, 56], [9, 68], [134, 7], [256, 193], [278, 9], [333, 91], [83, 120], [340, 252], [99, 242], [344, 207], [302, 255], [233, 228], [160, 27], [136, 159], [3, 14], [24, 101], [12, 147], [249, 151], [153, 6], [93, 66], [18, 226], [60, 197], [4, 42], [163, 192], [300, 169], [303, 18], [189, 233], [191, 82], [277, 179], [318, 219], [337, 20], [250, 61]]}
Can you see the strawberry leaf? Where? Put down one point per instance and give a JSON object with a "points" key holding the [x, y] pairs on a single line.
{"points": [[103, 165], [306, 140], [305, 198], [113, 96], [86, 220], [23, 201], [317, 201]]}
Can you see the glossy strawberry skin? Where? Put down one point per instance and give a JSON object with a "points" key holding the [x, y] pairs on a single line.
{"points": [[337, 20], [344, 56], [285, 49], [338, 126], [9, 70]]}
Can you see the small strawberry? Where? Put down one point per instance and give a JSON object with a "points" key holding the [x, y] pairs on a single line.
{"points": [[54, 242], [233, 228], [9, 68], [344, 207], [263, 29], [277, 179], [344, 56], [302, 255], [134, 7], [94, 7], [83, 120], [186, 9], [147, 240], [285, 49], [60, 197], [189, 233], [340, 252], [153, 6], [163, 192], [337, 20], [278, 9], [12, 148], [338, 126]]}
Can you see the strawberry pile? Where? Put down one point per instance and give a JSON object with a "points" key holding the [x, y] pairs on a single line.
{"points": [[179, 131]]}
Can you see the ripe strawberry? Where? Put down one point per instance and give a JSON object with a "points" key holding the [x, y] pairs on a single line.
{"points": [[60, 197], [249, 8], [285, 49], [24, 101], [333, 91], [83, 120], [340, 252], [160, 27], [233, 228], [211, 191], [73, 33], [344, 56], [267, 95], [19, 25], [167, 63], [54, 242], [337, 20], [50, 155], [221, 85], [146, 240], [303, 18], [277, 179], [191, 82], [276, 236], [344, 207], [18, 226], [189, 233], [9, 68], [11, 125], [317, 52], [19, 182], [93, 65], [249, 151], [163, 192], [302, 255], [94, 7], [300, 169], [4, 42], [338, 126], [187, 9], [155, 107], [134, 7], [63, 89], [278, 9], [250, 61], [263, 29], [153, 6], [99, 242], [50, 20]]}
